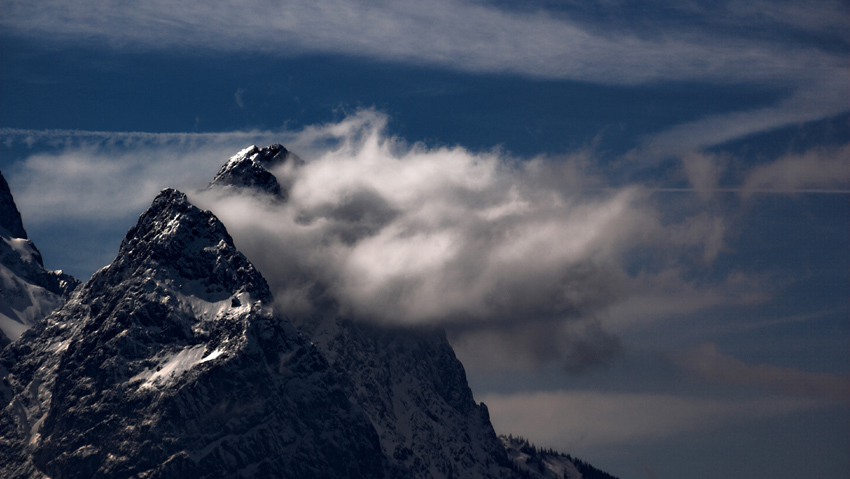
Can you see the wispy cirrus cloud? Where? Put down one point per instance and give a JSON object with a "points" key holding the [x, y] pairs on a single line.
{"points": [[469, 36], [824, 96], [797, 54], [817, 170], [820, 168]]}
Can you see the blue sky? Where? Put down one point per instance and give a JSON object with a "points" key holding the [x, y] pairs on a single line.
{"points": [[632, 217]]}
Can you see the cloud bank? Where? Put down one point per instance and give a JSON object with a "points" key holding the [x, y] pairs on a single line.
{"points": [[406, 234], [536, 258]]}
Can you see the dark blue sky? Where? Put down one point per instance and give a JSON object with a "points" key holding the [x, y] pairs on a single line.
{"points": [[701, 147], [74, 88]]}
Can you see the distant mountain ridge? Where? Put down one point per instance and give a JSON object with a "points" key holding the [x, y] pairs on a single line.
{"points": [[170, 362]]}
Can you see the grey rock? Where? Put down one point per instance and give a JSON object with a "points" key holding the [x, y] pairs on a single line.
{"points": [[28, 291], [168, 363], [10, 218], [414, 390], [250, 169]]}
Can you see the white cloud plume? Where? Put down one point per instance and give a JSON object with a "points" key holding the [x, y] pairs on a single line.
{"points": [[404, 233]]}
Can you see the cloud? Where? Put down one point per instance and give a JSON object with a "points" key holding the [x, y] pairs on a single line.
{"points": [[822, 168], [708, 364], [703, 172], [385, 230], [572, 420], [826, 95], [102, 176], [239, 97], [533, 257], [468, 36], [795, 54], [407, 234]]}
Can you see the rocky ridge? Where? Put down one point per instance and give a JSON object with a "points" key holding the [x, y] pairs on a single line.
{"points": [[28, 290], [168, 363], [250, 169]]}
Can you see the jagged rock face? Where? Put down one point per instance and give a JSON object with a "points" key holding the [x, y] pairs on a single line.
{"points": [[169, 364], [414, 390], [249, 169], [178, 244], [10, 218], [28, 291]]}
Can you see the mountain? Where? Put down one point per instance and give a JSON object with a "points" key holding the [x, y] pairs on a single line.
{"points": [[532, 462], [28, 291], [169, 363], [414, 390], [250, 169], [407, 381]]}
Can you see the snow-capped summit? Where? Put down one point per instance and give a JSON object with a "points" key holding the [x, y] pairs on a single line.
{"points": [[28, 291], [169, 363], [250, 169]]}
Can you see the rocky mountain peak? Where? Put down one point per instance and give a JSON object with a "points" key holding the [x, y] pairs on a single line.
{"points": [[28, 291], [168, 363], [250, 169], [178, 243], [10, 218]]}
